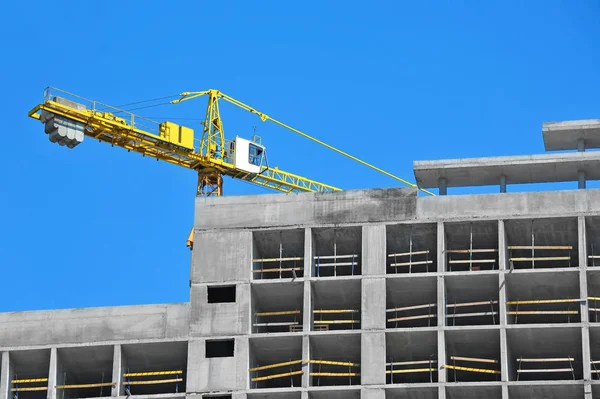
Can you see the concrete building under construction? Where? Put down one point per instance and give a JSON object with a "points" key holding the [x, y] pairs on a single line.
{"points": [[367, 294]]}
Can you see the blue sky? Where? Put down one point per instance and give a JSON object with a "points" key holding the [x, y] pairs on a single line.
{"points": [[391, 82]]}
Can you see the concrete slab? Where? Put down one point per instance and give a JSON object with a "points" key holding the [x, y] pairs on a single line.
{"points": [[544, 168], [566, 135]]}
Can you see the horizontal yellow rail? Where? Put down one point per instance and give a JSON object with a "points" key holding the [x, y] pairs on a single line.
{"points": [[29, 389], [337, 321], [547, 258], [287, 269], [29, 380], [546, 359], [97, 385], [541, 301], [282, 313], [332, 363], [274, 365], [594, 298], [549, 312], [471, 251], [334, 374], [149, 373], [405, 371], [153, 382], [274, 376], [540, 247], [471, 369], [473, 359], [408, 253], [324, 311]]}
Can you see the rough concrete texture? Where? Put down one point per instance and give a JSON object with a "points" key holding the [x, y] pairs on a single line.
{"points": [[571, 135], [226, 241]]}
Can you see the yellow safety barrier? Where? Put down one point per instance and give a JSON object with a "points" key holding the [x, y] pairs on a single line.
{"points": [[151, 373], [332, 363], [29, 380], [26, 389], [152, 382], [273, 376], [403, 371], [474, 370], [334, 374], [272, 366], [542, 301], [324, 311], [97, 385], [282, 313]]}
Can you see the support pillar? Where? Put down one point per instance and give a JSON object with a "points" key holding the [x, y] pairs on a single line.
{"points": [[443, 186], [581, 179], [306, 367], [583, 289], [502, 262], [53, 374], [581, 145], [502, 184], [441, 303], [5, 376], [119, 368], [308, 253]]}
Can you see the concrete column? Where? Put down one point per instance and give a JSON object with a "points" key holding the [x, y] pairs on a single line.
{"points": [[581, 179], [372, 312], [307, 307], [372, 363], [119, 368], [306, 356], [583, 289], [373, 250], [242, 353], [505, 391], [441, 302], [502, 265], [442, 392], [372, 393], [502, 184], [53, 374], [443, 186], [5, 376], [308, 258], [196, 366], [581, 145]]}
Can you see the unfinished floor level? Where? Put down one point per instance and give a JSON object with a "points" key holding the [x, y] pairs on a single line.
{"points": [[374, 294]]}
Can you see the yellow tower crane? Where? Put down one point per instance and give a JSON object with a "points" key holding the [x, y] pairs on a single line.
{"points": [[68, 118]]}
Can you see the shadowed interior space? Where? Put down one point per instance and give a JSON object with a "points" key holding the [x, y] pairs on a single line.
{"points": [[277, 307], [155, 368], [546, 391], [543, 297], [276, 362], [546, 353], [593, 286], [411, 248], [278, 254], [337, 394], [542, 243], [336, 305], [411, 302], [471, 299], [595, 351], [592, 234], [274, 395], [85, 372], [337, 251], [335, 360], [473, 355], [28, 373], [411, 393], [471, 246], [474, 392], [411, 357]]}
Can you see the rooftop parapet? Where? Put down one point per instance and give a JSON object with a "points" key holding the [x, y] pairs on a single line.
{"points": [[571, 135], [545, 168]]}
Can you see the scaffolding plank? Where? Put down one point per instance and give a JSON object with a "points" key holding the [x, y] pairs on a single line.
{"points": [[403, 371], [541, 301], [409, 253], [562, 370], [286, 269], [153, 382], [29, 380], [415, 263], [463, 261], [547, 312], [277, 324], [429, 305], [546, 359], [562, 247], [97, 385], [323, 311], [274, 376], [458, 305], [475, 314], [471, 251], [334, 374], [425, 316], [150, 373], [333, 363], [411, 362], [281, 313], [337, 321], [473, 359], [265, 260], [471, 369], [540, 258], [275, 365]]}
